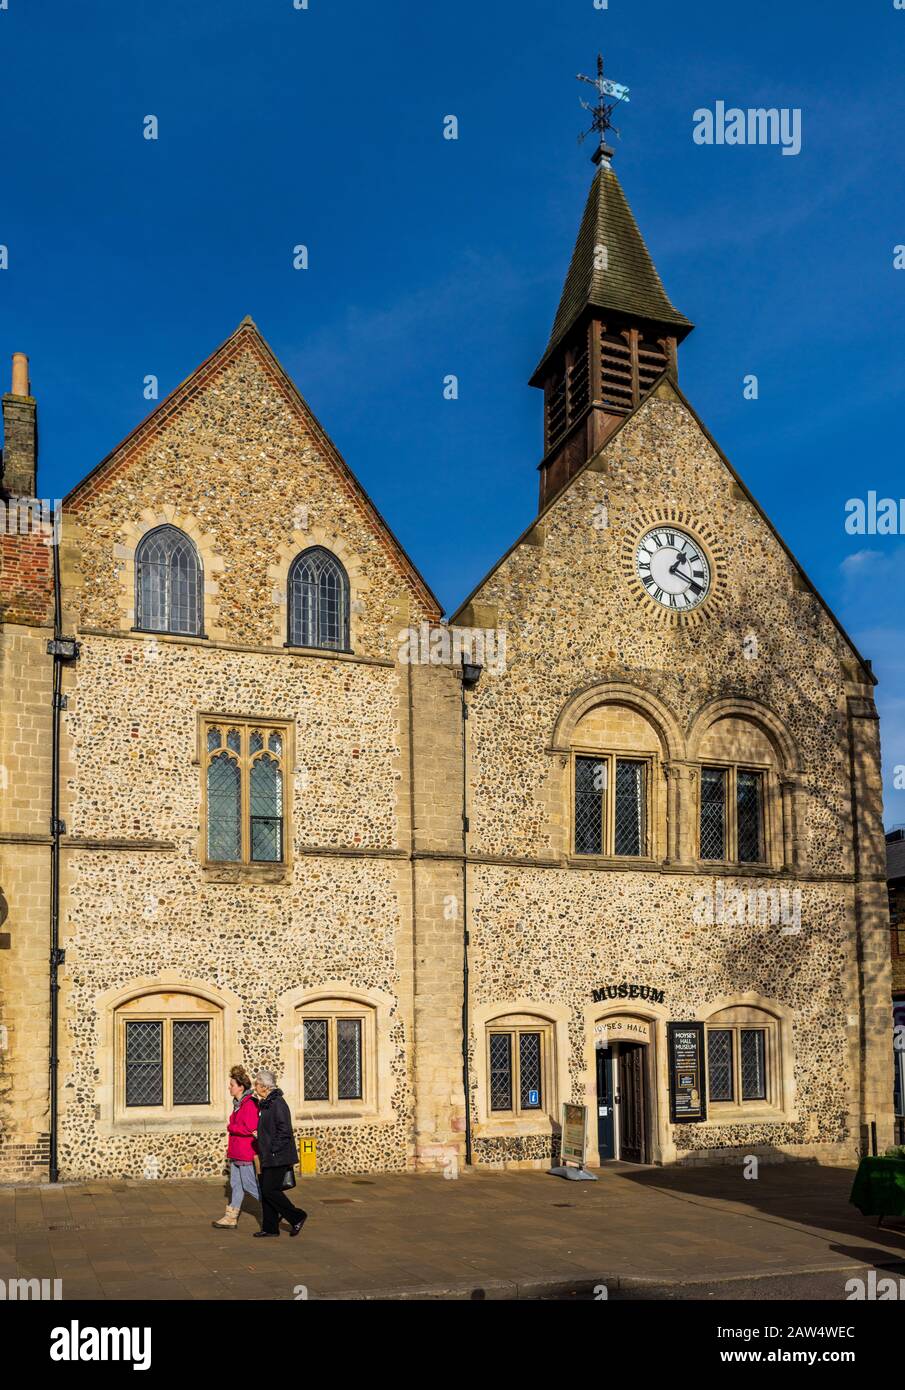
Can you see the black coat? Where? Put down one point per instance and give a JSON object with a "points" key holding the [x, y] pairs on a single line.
{"points": [[276, 1142]]}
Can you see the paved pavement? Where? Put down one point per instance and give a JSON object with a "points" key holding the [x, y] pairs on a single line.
{"points": [[637, 1232]]}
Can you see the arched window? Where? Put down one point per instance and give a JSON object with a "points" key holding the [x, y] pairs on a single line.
{"points": [[737, 776], [615, 751], [168, 583], [169, 1046], [337, 1040], [520, 1066], [744, 1061], [318, 601]]}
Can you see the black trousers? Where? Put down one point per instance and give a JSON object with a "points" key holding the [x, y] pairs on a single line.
{"points": [[274, 1201]]}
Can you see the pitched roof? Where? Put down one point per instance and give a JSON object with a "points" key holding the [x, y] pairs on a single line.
{"points": [[248, 335], [628, 285], [895, 859]]}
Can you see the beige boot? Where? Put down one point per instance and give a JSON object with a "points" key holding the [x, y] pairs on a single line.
{"points": [[228, 1221]]}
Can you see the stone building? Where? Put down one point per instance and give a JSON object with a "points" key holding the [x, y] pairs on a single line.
{"points": [[895, 873], [444, 877]]}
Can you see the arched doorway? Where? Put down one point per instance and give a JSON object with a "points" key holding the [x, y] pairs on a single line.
{"points": [[624, 1082]]}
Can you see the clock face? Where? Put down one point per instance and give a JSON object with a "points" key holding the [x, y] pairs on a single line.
{"points": [[672, 568]]}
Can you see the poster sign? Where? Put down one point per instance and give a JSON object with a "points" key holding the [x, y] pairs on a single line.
{"points": [[574, 1133], [687, 1079]]}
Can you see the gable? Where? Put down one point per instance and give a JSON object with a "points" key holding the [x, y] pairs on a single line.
{"points": [[662, 464], [237, 449]]}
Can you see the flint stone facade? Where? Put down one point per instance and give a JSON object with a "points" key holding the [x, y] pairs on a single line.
{"points": [[412, 832]]}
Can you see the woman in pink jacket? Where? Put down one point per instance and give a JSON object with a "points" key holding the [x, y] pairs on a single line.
{"points": [[240, 1150]]}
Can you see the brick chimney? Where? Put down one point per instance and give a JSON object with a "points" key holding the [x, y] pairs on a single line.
{"points": [[19, 470]]}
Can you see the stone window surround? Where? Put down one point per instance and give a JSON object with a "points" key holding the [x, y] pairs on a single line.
{"points": [[278, 573], [219, 1004], [756, 1011], [550, 1018], [783, 799], [333, 1011], [209, 558], [680, 760], [263, 871], [376, 1008], [654, 807], [513, 1026], [771, 816]]}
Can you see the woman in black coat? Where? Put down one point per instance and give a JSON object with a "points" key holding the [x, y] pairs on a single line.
{"points": [[278, 1156]]}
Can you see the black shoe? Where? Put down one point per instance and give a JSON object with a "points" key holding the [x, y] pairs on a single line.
{"points": [[299, 1224], [266, 1233]]}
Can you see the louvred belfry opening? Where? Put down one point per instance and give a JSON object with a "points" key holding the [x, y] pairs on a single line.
{"points": [[614, 335]]}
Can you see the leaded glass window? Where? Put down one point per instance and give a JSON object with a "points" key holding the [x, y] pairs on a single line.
{"points": [[500, 1071], [739, 1057], [266, 784], [752, 1064], [611, 825], [224, 801], [628, 828], [719, 1063], [732, 815], [191, 1062], [168, 583], [529, 1059], [713, 813], [315, 1057], [318, 601], [246, 790], [590, 784], [165, 1051], [516, 1064], [144, 1063], [348, 1058], [334, 1056], [749, 801]]}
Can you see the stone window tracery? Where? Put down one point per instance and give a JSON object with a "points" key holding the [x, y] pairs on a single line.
{"points": [[168, 583], [318, 595], [245, 791]]}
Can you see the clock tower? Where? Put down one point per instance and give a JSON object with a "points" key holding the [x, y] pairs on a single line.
{"points": [[615, 331]]}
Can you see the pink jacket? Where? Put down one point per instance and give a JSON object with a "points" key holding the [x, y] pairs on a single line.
{"points": [[241, 1126]]}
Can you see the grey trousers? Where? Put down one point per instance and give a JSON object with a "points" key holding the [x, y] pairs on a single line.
{"points": [[243, 1178]]}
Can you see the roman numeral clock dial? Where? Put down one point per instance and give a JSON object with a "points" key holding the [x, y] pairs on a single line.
{"points": [[673, 569]]}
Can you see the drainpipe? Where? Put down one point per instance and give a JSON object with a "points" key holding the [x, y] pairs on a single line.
{"points": [[62, 649], [471, 674]]}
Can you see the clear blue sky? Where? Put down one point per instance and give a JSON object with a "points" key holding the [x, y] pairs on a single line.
{"points": [[427, 256]]}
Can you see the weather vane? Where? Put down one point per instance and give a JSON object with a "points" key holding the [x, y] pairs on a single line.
{"points": [[602, 112]]}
